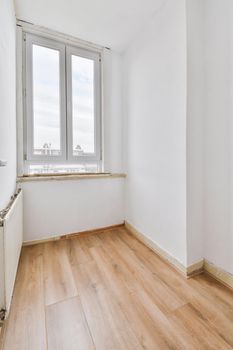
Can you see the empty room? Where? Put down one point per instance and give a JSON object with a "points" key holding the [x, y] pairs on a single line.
{"points": [[116, 175]]}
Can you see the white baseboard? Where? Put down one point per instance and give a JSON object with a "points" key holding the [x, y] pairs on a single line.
{"points": [[203, 265], [219, 274], [72, 235], [189, 271]]}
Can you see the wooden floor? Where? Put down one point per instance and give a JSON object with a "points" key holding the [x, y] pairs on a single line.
{"points": [[109, 292]]}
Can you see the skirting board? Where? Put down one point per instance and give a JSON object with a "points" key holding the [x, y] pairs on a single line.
{"points": [[219, 274], [203, 265], [73, 235], [188, 272]]}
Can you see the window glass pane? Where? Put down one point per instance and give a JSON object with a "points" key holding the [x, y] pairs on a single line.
{"points": [[46, 101], [83, 105]]}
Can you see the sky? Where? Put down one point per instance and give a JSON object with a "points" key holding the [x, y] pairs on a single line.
{"points": [[46, 98]]}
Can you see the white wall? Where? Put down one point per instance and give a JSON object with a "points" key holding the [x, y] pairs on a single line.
{"points": [[195, 115], [210, 132], [112, 111], [109, 23], [155, 112], [53, 208], [218, 133], [7, 101]]}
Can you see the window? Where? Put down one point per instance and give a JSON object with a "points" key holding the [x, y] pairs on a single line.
{"points": [[62, 107]]}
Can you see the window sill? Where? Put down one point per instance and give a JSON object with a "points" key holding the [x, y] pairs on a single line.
{"points": [[62, 177]]}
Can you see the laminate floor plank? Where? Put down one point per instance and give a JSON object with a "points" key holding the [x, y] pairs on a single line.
{"points": [[197, 325], [25, 328], [142, 277], [159, 268], [67, 327], [107, 324], [151, 335], [77, 252], [108, 291], [58, 278]]}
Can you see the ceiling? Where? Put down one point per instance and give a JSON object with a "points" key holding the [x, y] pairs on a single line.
{"points": [[111, 23]]}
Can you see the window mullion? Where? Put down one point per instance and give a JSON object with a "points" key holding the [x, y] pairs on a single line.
{"points": [[69, 103], [63, 102]]}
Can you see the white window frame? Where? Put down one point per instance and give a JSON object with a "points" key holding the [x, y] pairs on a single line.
{"points": [[28, 122], [66, 51], [71, 50]]}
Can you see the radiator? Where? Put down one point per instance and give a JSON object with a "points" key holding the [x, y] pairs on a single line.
{"points": [[11, 238]]}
